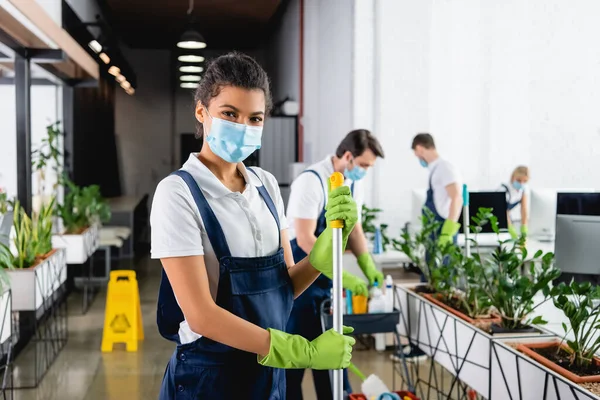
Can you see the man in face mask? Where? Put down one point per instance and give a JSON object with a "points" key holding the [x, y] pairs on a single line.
{"points": [[355, 155]]}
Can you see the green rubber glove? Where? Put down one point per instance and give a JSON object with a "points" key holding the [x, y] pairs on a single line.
{"points": [[367, 266], [524, 231], [330, 350], [357, 286], [513, 232], [340, 206], [449, 229]]}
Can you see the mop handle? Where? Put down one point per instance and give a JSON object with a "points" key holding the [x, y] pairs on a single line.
{"points": [[466, 218], [336, 180]]}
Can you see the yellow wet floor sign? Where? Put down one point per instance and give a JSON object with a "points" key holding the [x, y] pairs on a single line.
{"points": [[123, 315]]}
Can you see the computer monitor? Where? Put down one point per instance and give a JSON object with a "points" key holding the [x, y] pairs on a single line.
{"points": [[494, 200], [542, 211], [577, 250], [578, 204]]}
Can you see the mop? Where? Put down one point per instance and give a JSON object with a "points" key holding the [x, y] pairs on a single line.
{"points": [[372, 385]]}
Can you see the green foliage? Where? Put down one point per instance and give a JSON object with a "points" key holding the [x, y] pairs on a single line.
{"points": [[369, 215], [48, 151], [3, 202], [471, 272], [580, 302], [509, 289], [42, 228], [24, 243], [83, 207]]}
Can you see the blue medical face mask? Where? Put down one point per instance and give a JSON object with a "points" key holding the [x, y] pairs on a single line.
{"points": [[231, 141], [356, 173], [518, 185], [423, 163]]}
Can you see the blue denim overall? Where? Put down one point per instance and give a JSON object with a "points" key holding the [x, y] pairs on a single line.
{"points": [[509, 205], [430, 204], [305, 318], [256, 289]]}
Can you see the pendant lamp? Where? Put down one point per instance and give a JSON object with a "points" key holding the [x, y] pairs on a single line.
{"points": [[191, 38]]}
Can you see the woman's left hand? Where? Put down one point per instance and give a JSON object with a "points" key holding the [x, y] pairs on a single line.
{"points": [[340, 206]]}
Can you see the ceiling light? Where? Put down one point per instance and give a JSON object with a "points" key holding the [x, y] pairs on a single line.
{"points": [[190, 58], [114, 70], [191, 68], [189, 85], [191, 39], [125, 85], [95, 46], [189, 78], [104, 58], [120, 78]]}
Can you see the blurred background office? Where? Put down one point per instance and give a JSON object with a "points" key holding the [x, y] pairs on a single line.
{"points": [[497, 83]]}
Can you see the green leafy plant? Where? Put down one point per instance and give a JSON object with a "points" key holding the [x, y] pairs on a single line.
{"points": [[473, 300], [421, 247], [83, 207], [510, 290], [580, 302], [369, 216], [48, 152], [42, 228], [24, 243], [3, 202]]}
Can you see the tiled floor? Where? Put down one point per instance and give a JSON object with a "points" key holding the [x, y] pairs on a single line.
{"points": [[82, 372]]}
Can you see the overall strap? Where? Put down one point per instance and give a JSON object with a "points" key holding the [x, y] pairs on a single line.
{"points": [[352, 189], [211, 224], [431, 177], [510, 205], [268, 201], [315, 173]]}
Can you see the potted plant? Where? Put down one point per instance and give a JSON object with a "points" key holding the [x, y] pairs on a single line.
{"points": [[35, 269], [369, 216], [421, 248], [511, 292], [573, 358]]}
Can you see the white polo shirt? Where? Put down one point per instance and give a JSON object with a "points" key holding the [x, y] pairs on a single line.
{"points": [[307, 197], [177, 229], [441, 174]]}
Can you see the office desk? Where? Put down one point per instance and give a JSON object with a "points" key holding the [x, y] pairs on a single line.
{"points": [[131, 212]]}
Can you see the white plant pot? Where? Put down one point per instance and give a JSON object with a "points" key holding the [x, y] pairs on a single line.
{"points": [[461, 348], [79, 247], [34, 287], [5, 316], [516, 376]]}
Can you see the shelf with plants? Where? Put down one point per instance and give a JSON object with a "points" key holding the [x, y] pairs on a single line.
{"points": [[35, 269], [468, 301], [83, 209], [570, 362]]}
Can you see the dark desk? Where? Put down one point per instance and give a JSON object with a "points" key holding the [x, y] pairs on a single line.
{"points": [[132, 212]]}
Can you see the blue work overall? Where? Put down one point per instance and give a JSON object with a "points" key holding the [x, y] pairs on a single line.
{"points": [[305, 318], [257, 289], [509, 205], [430, 204]]}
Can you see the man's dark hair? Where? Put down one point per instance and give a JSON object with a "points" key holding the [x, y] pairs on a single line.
{"points": [[232, 69], [357, 141], [423, 139]]}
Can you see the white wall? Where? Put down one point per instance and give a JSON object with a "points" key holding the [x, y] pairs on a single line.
{"points": [[328, 93], [497, 84]]}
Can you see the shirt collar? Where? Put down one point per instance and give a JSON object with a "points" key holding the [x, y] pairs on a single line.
{"points": [[209, 183]]}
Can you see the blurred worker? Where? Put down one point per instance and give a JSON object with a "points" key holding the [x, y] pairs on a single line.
{"points": [[229, 277], [516, 201], [355, 155], [444, 200]]}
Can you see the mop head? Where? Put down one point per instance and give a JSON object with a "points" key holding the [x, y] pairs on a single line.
{"points": [[373, 387]]}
